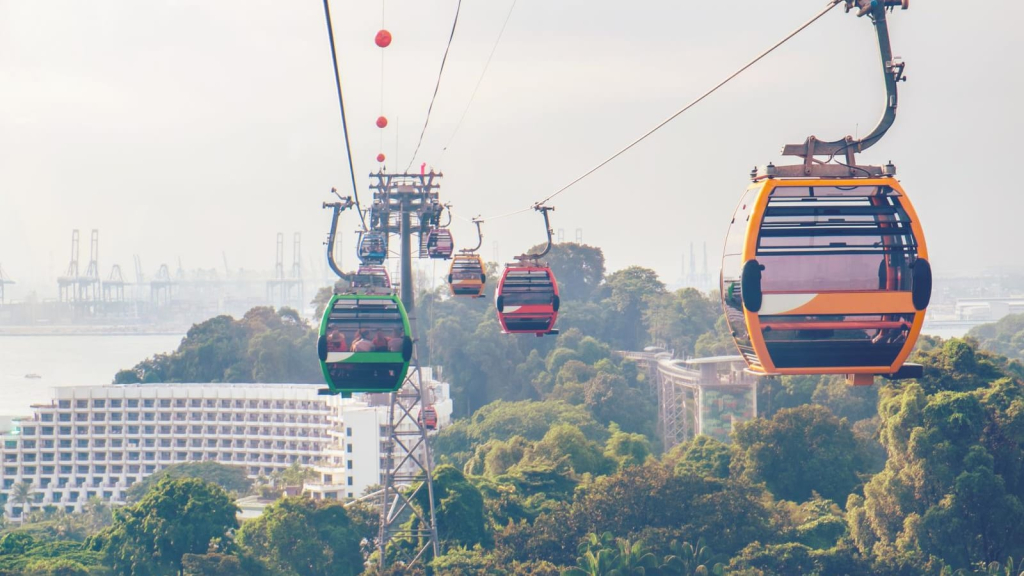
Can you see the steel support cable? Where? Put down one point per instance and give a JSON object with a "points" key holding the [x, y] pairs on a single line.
{"points": [[831, 4], [478, 82], [498, 217], [341, 104], [437, 86]]}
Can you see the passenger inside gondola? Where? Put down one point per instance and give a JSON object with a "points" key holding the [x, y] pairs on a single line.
{"points": [[396, 340], [367, 326], [336, 341]]}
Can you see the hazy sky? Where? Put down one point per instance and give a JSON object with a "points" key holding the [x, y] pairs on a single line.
{"points": [[191, 128]]}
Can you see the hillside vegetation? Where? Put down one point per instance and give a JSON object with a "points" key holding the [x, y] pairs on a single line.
{"points": [[554, 466]]}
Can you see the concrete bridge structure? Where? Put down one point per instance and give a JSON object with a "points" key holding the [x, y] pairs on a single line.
{"points": [[699, 395]]}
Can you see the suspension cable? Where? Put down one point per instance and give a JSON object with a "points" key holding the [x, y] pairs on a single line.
{"points": [[437, 86], [831, 4], [478, 82], [341, 103]]}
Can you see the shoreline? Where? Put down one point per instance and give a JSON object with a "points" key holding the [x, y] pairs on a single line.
{"points": [[13, 331]]}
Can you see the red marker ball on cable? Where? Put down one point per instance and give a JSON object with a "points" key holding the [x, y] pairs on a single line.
{"points": [[383, 39], [380, 157], [381, 122]]}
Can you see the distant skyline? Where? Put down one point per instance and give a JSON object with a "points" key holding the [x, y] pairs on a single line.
{"points": [[187, 129]]}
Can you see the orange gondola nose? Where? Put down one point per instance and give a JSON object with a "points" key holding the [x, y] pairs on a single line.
{"points": [[825, 276]]}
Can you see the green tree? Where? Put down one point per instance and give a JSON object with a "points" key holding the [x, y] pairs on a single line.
{"points": [[636, 501], [627, 449], [57, 567], [16, 542], [233, 479], [503, 420], [458, 506], [460, 560], [952, 485], [702, 455], [610, 399], [793, 558], [798, 452], [213, 564], [1005, 336], [304, 537], [579, 269], [631, 291], [177, 517], [567, 443], [263, 346], [959, 366], [678, 320]]}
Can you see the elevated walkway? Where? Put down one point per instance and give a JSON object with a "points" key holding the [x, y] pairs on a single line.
{"points": [[699, 395]]}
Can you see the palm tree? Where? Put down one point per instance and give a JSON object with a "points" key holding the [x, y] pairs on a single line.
{"points": [[97, 514], [606, 555], [22, 495], [63, 525], [591, 563], [689, 560], [997, 569], [634, 559]]}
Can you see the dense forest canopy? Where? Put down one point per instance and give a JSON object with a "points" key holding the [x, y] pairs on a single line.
{"points": [[554, 465]]}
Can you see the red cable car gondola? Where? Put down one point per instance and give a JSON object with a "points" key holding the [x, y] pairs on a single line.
{"points": [[372, 279], [825, 268], [439, 243], [428, 417], [527, 296]]}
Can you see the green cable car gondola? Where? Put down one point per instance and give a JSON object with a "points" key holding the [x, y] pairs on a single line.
{"points": [[365, 344]]}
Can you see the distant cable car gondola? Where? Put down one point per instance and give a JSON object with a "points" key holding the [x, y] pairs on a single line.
{"points": [[439, 243], [365, 344], [527, 296], [825, 268], [373, 247], [428, 418], [371, 279], [467, 276]]}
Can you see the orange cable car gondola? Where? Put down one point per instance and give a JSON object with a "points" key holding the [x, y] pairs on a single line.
{"points": [[825, 269], [467, 275], [527, 296]]}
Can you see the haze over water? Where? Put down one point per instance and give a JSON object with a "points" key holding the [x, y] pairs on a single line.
{"points": [[81, 360]]}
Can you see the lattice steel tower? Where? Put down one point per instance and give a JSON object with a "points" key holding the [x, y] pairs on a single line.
{"points": [[403, 205], [407, 204]]}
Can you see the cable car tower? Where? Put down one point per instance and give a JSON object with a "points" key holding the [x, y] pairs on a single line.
{"points": [[404, 205]]}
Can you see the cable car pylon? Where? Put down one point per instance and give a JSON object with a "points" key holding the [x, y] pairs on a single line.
{"points": [[408, 460]]}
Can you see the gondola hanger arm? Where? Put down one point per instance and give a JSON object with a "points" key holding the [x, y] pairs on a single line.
{"points": [[479, 236], [540, 207], [338, 207], [892, 70]]}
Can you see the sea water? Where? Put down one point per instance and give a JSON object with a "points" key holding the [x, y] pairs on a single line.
{"points": [[72, 360]]}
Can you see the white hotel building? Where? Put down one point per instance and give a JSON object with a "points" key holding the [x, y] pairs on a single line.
{"points": [[99, 440]]}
